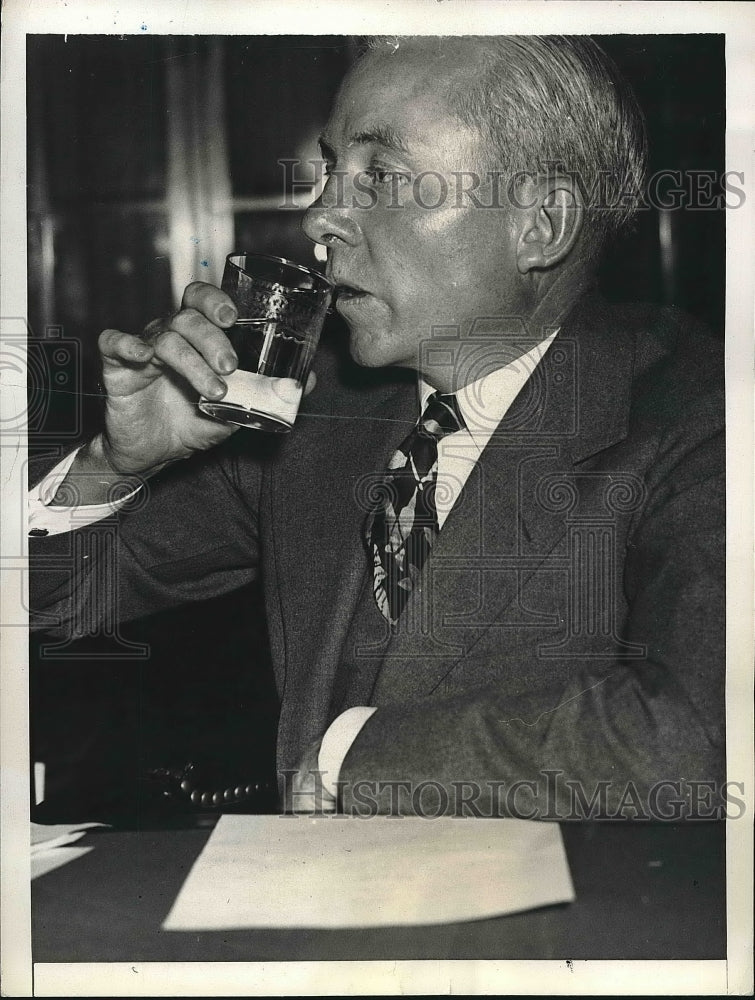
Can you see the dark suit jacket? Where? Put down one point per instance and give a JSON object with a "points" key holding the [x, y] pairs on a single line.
{"points": [[571, 615]]}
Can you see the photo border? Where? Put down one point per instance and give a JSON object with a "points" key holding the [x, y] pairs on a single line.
{"points": [[226, 17]]}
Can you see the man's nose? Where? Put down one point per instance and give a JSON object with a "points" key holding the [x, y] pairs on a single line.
{"points": [[330, 221]]}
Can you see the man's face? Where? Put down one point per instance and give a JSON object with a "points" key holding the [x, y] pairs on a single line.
{"points": [[411, 250]]}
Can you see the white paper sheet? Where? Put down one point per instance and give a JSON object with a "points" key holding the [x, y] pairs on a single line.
{"points": [[44, 862], [45, 836], [331, 872]]}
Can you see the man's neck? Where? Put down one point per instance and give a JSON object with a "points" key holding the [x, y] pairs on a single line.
{"points": [[490, 344]]}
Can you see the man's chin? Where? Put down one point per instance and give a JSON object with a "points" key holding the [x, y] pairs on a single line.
{"points": [[368, 351]]}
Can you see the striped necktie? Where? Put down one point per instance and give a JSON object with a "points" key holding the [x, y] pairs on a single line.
{"points": [[402, 527]]}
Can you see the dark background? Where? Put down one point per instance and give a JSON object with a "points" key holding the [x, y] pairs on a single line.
{"points": [[101, 206]]}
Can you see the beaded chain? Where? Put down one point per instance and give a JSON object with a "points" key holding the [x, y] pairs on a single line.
{"points": [[184, 784]]}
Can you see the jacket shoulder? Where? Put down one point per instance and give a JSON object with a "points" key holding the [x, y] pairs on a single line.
{"points": [[677, 364], [667, 340]]}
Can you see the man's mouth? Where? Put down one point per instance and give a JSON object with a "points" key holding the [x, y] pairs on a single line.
{"points": [[350, 298]]}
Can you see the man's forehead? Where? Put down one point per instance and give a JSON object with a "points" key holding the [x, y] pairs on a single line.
{"points": [[394, 96]]}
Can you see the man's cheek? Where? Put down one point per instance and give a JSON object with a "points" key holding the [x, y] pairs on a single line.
{"points": [[432, 223], [430, 191]]}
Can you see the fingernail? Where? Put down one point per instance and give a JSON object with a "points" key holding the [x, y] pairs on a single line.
{"points": [[217, 388], [226, 314], [228, 363]]}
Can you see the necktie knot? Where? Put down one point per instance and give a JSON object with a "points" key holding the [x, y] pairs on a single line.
{"points": [[441, 416]]}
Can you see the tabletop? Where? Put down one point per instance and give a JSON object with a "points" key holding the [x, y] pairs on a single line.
{"points": [[643, 891]]}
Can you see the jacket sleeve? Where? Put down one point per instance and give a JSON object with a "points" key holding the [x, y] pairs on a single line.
{"points": [[189, 534], [628, 738]]}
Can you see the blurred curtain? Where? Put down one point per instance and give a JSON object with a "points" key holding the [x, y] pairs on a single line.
{"points": [[200, 211]]}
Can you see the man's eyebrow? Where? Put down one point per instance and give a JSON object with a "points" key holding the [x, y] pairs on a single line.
{"points": [[379, 135]]}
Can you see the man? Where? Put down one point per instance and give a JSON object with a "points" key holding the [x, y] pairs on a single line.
{"points": [[504, 598]]}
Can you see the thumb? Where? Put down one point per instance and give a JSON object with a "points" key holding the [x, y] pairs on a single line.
{"points": [[311, 383]]}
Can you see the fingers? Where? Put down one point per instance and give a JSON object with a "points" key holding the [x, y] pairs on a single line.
{"points": [[168, 347], [211, 302], [177, 351], [116, 346], [195, 347], [187, 343], [210, 342], [206, 338], [191, 343]]}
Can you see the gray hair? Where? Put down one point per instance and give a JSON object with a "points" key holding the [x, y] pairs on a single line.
{"points": [[541, 101]]}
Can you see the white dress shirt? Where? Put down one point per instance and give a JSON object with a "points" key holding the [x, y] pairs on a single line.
{"points": [[45, 518], [483, 404]]}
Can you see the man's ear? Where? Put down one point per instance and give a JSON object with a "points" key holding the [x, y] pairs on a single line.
{"points": [[551, 225]]}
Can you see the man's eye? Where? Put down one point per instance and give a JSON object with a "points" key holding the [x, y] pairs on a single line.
{"points": [[379, 175]]}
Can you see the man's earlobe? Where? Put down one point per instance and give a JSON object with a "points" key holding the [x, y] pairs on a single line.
{"points": [[552, 228]]}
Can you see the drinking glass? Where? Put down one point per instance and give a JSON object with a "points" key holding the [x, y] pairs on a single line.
{"points": [[281, 310]]}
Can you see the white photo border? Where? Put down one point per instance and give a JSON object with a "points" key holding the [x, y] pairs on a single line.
{"points": [[226, 17]]}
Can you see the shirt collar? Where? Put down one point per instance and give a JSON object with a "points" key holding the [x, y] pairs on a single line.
{"points": [[484, 403]]}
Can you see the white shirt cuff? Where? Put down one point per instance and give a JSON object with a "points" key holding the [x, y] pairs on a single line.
{"points": [[337, 742], [46, 519]]}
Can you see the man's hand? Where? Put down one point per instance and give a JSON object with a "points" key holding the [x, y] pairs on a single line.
{"points": [[153, 383], [304, 789]]}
